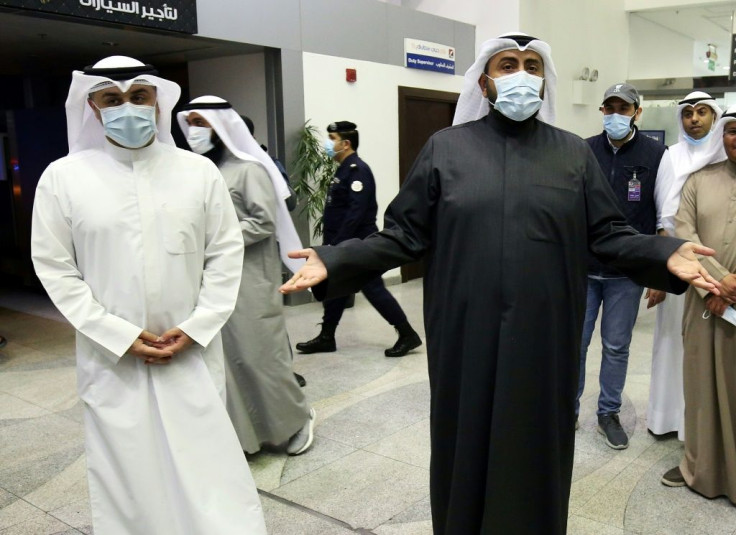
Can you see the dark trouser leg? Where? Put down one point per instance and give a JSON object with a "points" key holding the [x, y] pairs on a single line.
{"points": [[324, 342], [333, 309], [383, 302], [389, 308]]}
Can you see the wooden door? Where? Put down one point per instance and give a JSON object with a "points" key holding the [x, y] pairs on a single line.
{"points": [[422, 112]]}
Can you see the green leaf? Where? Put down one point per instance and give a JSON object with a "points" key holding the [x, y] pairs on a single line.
{"points": [[314, 171]]}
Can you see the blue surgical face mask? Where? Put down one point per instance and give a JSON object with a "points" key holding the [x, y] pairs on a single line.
{"points": [[130, 125], [200, 139], [697, 142], [330, 148], [617, 126], [518, 95]]}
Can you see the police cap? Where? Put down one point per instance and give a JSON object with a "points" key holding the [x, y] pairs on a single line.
{"points": [[342, 126]]}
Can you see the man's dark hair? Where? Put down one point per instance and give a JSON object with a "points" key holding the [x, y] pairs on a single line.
{"points": [[216, 153], [351, 136], [249, 123]]}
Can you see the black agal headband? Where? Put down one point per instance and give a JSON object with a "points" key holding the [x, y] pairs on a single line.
{"points": [[207, 106], [121, 73]]}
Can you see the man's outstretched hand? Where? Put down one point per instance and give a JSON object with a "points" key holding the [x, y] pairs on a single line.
{"points": [[684, 265], [311, 273]]}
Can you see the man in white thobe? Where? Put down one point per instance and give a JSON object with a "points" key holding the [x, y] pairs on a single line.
{"points": [[137, 244]]}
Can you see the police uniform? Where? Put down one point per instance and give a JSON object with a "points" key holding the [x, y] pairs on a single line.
{"points": [[350, 212]]}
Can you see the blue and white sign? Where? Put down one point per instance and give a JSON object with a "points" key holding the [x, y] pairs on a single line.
{"points": [[429, 56]]}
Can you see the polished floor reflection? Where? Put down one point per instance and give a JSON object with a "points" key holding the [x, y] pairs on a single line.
{"points": [[368, 469]]}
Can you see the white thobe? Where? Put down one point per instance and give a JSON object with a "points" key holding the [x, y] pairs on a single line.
{"points": [[126, 240], [666, 409]]}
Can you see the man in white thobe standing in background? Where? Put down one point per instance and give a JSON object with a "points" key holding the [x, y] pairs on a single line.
{"points": [[138, 245]]}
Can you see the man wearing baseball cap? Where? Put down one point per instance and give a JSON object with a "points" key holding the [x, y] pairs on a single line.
{"points": [[638, 170]]}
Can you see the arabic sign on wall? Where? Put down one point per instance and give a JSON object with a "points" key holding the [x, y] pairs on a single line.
{"points": [[174, 15], [429, 56]]}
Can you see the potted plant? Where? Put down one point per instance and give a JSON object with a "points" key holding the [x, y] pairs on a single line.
{"points": [[315, 171]]}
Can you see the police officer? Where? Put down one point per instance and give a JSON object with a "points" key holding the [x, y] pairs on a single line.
{"points": [[350, 212]]}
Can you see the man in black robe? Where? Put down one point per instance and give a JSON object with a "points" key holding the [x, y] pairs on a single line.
{"points": [[505, 209]]}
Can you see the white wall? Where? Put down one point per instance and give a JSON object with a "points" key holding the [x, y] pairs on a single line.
{"points": [[657, 52], [241, 80], [372, 103], [582, 33], [490, 17]]}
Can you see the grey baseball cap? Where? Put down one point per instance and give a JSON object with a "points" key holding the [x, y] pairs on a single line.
{"points": [[624, 91]]}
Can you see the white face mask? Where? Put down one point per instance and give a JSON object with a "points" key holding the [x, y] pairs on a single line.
{"points": [[618, 126], [200, 139], [130, 125], [518, 95], [697, 142]]}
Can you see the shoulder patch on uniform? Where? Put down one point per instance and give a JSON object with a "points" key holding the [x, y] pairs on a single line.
{"points": [[354, 165], [356, 186]]}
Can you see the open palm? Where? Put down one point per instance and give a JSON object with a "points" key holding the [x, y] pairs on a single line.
{"points": [[311, 273], [684, 264]]}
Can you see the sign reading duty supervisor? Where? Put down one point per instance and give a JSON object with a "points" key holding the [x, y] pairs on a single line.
{"points": [[174, 15], [429, 56]]}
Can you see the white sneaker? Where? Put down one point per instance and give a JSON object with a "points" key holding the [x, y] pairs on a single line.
{"points": [[303, 439]]}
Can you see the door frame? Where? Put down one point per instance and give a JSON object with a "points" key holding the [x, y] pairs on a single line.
{"points": [[415, 93]]}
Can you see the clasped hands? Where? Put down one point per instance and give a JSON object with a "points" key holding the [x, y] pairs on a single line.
{"points": [[717, 304], [160, 350], [683, 263]]}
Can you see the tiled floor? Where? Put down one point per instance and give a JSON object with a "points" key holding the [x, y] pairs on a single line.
{"points": [[367, 472]]}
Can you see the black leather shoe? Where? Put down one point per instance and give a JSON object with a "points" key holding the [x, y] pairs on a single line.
{"points": [[403, 345], [321, 344], [301, 381]]}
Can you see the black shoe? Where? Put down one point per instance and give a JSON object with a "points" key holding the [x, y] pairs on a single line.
{"points": [[408, 340], [610, 427], [663, 436], [321, 344], [673, 478], [301, 381]]}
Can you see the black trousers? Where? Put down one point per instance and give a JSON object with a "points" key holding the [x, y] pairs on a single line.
{"points": [[378, 296]]}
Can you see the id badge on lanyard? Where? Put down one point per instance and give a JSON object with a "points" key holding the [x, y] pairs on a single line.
{"points": [[634, 189]]}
